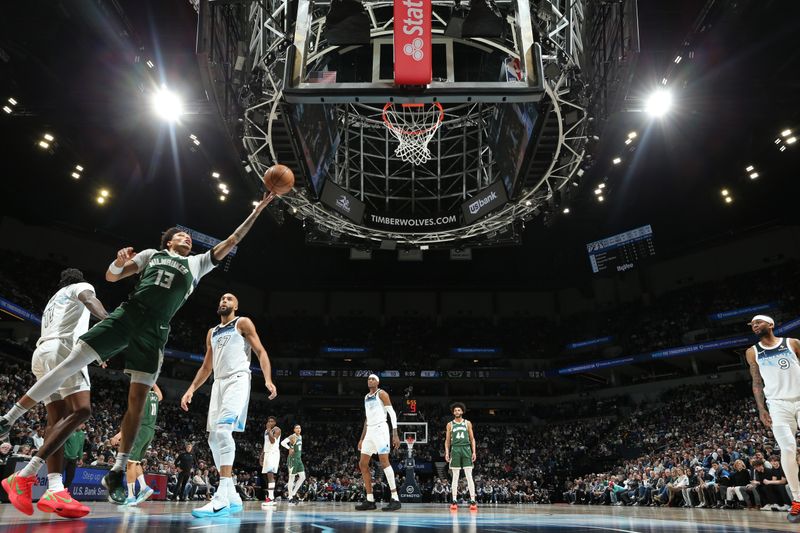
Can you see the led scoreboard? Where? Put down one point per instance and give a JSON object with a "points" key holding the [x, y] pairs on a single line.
{"points": [[621, 252]]}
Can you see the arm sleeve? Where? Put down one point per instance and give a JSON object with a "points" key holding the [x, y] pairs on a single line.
{"points": [[392, 415], [285, 442], [142, 258]]}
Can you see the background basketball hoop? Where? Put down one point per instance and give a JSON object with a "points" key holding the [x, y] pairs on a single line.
{"points": [[413, 125]]}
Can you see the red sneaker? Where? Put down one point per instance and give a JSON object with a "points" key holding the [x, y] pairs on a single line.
{"points": [[473, 506], [454, 506], [793, 516], [63, 504], [18, 489]]}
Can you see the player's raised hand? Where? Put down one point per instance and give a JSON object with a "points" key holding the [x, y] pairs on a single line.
{"points": [[186, 400], [268, 197], [124, 255], [273, 390]]}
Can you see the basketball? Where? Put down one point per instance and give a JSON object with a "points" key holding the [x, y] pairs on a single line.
{"points": [[279, 179]]}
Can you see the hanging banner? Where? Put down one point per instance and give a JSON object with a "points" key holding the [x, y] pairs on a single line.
{"points": [[412, 42]]}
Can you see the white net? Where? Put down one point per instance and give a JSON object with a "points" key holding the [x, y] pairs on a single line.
{"points": [[413, 125]]}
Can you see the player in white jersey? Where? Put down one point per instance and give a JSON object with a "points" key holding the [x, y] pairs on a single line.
{"points": [[775, 370], [375, 439], [65, 318], [228, 347], [270, 459]]}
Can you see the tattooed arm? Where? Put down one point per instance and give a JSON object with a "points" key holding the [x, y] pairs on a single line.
{"points": [[758, 388]]}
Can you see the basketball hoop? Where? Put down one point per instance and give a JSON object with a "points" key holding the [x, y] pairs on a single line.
{"points": [[413, 125]]}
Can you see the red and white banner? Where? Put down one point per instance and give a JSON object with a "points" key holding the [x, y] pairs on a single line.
{"points": [[412, 42]]}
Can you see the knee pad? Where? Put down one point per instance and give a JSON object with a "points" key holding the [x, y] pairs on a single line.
{"points": [[227, 447]]}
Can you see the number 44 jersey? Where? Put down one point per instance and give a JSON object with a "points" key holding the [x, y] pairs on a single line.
{"points": [[167, 279]]}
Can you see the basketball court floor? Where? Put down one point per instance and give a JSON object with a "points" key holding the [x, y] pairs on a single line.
{"points": [[330, 517]]}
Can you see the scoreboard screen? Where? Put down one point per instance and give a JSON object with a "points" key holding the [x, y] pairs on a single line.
{"points": [[621, 252]]}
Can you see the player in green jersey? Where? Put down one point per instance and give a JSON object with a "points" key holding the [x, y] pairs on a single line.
{"points": [[294, 443], [143, 439], [139, 328], [459, 451]]}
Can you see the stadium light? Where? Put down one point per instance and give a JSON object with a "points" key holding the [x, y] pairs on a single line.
{"points": [[600, 199], [167, 105], [48, 137], [749, 168], [601, 186], [222, 198], [729, 199], [101, 200], [658, 103], [79, 168], [753, 175], [617, 160], [44, 145], [598, 191], [786, 133], [7, 109], [791, 140], [632, 135], [724, 192], [12, 101], [566, 211], [222, 186], [104, 193], [215, 175], [76, 175]]}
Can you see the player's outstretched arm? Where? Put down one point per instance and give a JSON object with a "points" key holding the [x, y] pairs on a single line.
{"points": [[202, 374], [88, 299], [223, 249], [758, 388], [248, 330]]}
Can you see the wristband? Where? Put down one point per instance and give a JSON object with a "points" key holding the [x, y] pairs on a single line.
{"points": [[114, 269]]}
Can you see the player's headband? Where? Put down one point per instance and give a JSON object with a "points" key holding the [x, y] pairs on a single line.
{"points": [[374, 376]]}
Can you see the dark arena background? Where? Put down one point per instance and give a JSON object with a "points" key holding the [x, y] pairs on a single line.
{"points": [[575, 217]]}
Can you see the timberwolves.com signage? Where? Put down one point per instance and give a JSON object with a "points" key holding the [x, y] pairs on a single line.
{"points": [[489, 199], [342, 202], [412, 224]]}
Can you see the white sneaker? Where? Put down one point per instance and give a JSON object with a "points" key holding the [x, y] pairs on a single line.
{"points": [[235, 500], [218, 506], [767, 507]]}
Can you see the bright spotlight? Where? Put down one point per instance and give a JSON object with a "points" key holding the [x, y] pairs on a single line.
{"points": [[632, 135], [101, 200], [791, 140], [167, 105], [76, 175], [12, 101], [749, 168], [79, 168], [215, 174], [44, 145], [724, 192], [222, 198], [598, 191], [566, 210], [104, 193], [659, 103], [600, 198], [601, 186], [7, 109], [617, 160], [786, 133], [753, 175], [48, 137], [222, 186], [728, 199]]}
